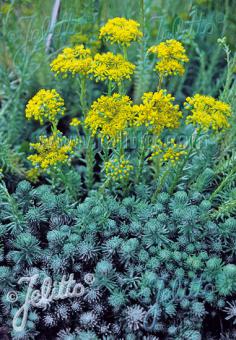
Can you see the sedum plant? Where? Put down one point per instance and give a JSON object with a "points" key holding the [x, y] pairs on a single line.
{"points": [[144, 135], [131, 190]]}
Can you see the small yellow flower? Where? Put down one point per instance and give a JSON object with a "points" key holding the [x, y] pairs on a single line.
{"points": [[46, 105], [157, 112], [108, 66], [118, 169], [120, 30], [33, 174], [171, 55], [207, 112], [169, 151], [75, 122], [51, 151], [110, 116], [76, 60]]}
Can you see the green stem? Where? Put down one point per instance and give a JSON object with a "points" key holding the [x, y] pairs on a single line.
{"points": [[141, 161], [156, 164], [89, 161], [109, 90], [182, 165], [54, 127], [125, 54], [159, 187], [83, 94], [121, 147], [104, 185], [160, 82], [121, 89], [105, 150]]}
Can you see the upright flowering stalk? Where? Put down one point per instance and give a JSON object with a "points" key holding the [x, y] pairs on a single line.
{"points": [[118, 172], [165, 154], [74, 61], [156, 113], [77, 61], [171, 56], [207, 114], [52, 151], [121, 31], [109, 118]]}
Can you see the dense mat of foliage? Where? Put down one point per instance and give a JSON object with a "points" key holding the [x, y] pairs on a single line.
{"points": [[117, 170], [159, 268]]}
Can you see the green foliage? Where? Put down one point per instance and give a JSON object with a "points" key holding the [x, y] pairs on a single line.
{"points": [[153, 263], [163, 248]]}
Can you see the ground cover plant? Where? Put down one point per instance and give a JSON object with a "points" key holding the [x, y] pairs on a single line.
{"points": [[118, 170]]}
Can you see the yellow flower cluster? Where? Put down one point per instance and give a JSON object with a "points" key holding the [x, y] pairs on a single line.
{"points": [[46, 105], [207, 112], [171, 55], [118, 169], [76, 60], [108, 66], [157, 112], [51, 150], [120, 30], [109, 116], [75, 122], [168, 151]]}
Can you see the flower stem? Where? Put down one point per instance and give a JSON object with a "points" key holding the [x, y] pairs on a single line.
{"points": [[182, 165], [89, 161], [159, 187], [125, 54], [141, 159], [105, 150], [109, 90], [83, 94], [121, 147], [159, 82]]}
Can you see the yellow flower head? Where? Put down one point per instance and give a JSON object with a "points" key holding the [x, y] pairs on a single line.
{"points": [[76, 60], [157, 112], [171, 55], [108, 66], [120, 30], [51, 151], [169, 151], [207, 112], [118, 169], [109, 116], [46, 105], [75, 122]]}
